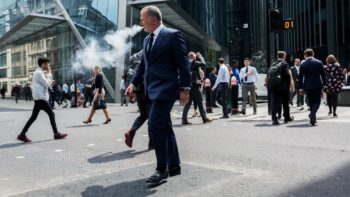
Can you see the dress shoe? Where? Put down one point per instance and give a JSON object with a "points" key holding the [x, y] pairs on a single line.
{"points": [[87, 121], [312, 120], [242, 112], [329, 113], [335, 115], [157, 178], [128, 138], [224, 117], [59, 136], [207, 120], [23, 138], [275, 123], [107, 121], [291, 118], [185, 122], [174, 170]]}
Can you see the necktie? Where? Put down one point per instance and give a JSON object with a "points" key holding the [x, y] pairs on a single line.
{"points": [[246, 71], [150, 43]]}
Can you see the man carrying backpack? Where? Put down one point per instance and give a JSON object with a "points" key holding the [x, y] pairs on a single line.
{"points": [[281, 84]]}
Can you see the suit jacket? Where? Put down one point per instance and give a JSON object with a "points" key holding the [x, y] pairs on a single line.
{"points": [[312, 75], [167, 68], [295, 76]]}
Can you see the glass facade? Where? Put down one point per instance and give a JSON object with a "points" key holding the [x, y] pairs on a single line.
{"points": [[93, 18], [208, 15]]}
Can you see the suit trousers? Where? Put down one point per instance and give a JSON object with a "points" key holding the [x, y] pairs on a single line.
{"points": [[314, 100], [245, 89], [222, 90], [41, 105], [234, 96], [162, 133], [280, 98], [196, 97]]}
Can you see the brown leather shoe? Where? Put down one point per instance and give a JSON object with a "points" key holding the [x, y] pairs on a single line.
{"points": [[185, 122], [128, 138], [59, 136], [207, 120], [23, 138]]}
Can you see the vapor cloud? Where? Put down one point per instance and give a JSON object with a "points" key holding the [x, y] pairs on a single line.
{"points": [[96, 54]]}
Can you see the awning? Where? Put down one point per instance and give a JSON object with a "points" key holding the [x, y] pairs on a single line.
{"points": [[33, 24], [175, 16]]}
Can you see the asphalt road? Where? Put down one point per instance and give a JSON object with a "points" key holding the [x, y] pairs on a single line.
{"points": [[240, 156]]}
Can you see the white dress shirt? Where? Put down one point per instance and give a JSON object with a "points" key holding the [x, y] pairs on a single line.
{"points": [[65, 88], [156, 33], [223, 76], [253, 78], [41, 83]]}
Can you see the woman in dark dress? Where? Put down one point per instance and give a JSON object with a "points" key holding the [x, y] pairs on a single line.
{"points": [[334, 83], [99, 95]]}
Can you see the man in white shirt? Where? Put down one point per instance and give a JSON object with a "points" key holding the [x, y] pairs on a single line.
{"points": [[42, 79], [221, 83], [249, 77]]}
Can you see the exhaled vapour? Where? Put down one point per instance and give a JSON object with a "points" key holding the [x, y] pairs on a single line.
{"points": [[118, 45]]}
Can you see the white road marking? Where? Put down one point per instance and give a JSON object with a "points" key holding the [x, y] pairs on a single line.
{"points": [[20, 157], [89, 145], [189, 129], [224, 124], [119, 140], [58, 150]]}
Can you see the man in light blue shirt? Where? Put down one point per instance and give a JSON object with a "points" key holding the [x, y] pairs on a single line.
{"points": [[221, 83], [249, 77]]}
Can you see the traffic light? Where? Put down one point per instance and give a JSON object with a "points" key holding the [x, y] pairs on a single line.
{"points": [[276, 20]]}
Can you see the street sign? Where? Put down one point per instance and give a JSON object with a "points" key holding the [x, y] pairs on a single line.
{"points": [[288, 24]]}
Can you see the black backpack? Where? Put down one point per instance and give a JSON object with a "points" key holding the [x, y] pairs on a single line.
{"points": [[274, 78]]}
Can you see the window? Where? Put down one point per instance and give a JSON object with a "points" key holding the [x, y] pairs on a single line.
{"points": [[3, 60], [3, 73]]}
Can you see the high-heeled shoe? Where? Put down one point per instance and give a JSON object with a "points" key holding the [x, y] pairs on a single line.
{"points": [[107, 121], [87, 121]]}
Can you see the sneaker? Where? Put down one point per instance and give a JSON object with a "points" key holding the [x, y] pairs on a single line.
{"points": [[23, 138], [59, 136]]}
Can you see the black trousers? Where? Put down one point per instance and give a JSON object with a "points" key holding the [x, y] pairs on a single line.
{"points": [[222, 89], [314, 100], [234, 97], [280, 98], [196, 97], [88, 97], [143, 108], [41, 105], [332, 101]]}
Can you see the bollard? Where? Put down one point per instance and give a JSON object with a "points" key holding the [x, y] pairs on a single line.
{"points": [[234, 95]]}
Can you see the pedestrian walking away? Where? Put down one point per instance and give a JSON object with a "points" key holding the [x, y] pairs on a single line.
{"points": [[42, 79], [165, 69], [311, 80]]}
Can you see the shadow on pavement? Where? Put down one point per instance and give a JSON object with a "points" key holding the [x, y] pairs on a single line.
{"points": [[109, 157], [133, 188], [13, 145], [305, 125], [84, 125], [337, 183], [266, 125]]}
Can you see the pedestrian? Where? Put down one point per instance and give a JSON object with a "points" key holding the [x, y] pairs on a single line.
{"points": [[142, 103], [88, 94], [280, 83], [3, 92], [28, 92], [311, 80], [221, 84], [168, 70], [195, 92], [42, 79], [123, 99], [212, 78], [334, 83], [99, 97], [295, 69], [249, 77], [16, 91], [235, 83]]}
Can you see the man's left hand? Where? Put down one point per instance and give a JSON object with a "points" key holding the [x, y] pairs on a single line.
{"points": [[184, 97]]}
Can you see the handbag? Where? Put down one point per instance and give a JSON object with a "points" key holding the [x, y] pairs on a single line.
{"points": [[99, 104]]}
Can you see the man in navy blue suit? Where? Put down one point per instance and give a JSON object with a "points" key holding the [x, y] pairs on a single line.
{"points": [[311, 80], [165, 68]]}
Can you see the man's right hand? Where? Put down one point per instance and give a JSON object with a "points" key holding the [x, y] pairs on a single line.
{"points": [[130, 91]]}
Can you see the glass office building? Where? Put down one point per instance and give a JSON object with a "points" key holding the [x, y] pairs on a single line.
{"points": [[33, 28], [202, 21]]}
